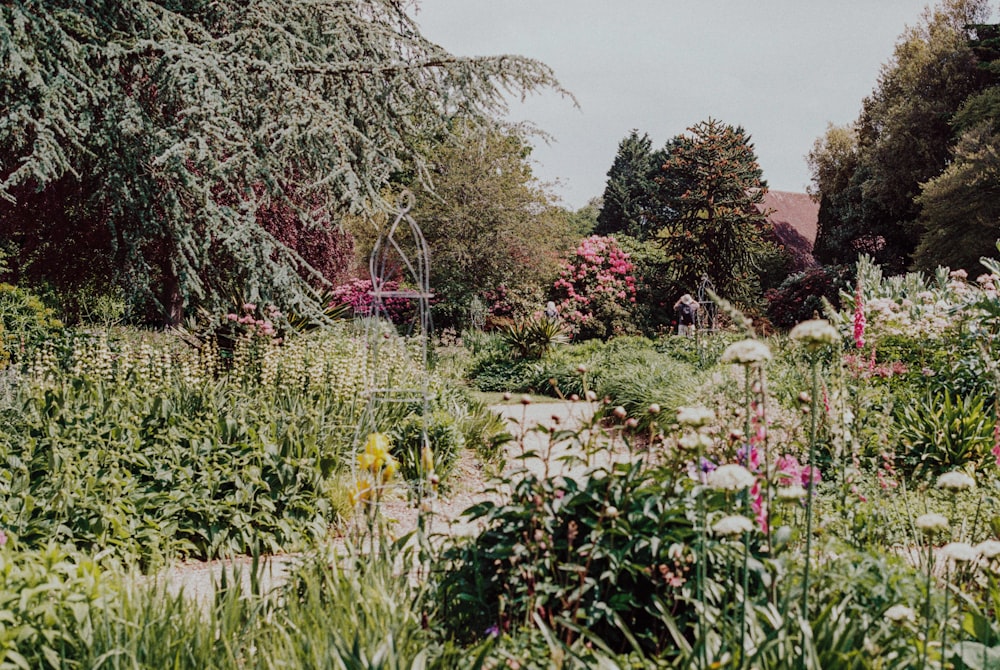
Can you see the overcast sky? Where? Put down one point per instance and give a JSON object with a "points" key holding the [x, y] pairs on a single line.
{"points": [[782, 69]]}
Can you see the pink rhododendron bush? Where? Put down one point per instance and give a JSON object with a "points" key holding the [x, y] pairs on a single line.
{"points": [[596, 289]]}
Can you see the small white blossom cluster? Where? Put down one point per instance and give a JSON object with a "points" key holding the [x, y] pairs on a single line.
{"points": [[731, 477], [732, 525], [931, 523], [695, 417], [955, 481], [746, 352], [815, 334]]}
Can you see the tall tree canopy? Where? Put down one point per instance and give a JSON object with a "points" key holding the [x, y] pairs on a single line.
{"points": [[153, 133], [709, 216], [904, 136], [626, 200], [960, 214], [489, 223]]}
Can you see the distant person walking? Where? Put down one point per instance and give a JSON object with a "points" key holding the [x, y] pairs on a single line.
{"points": [[686, 308], [550, 311]]}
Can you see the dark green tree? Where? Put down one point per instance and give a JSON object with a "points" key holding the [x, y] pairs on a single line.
{"points": [[489, 223], [583, 221], [626, 200], [960, 208], [710, 219], [151, 134], [904, 137]]}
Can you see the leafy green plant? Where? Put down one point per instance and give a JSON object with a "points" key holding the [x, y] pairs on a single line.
{"points": [[533, 338], [608, 553], [444, 437], [945, 432], [25, 323], [49, 602]]}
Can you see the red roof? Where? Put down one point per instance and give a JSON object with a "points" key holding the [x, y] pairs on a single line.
{"points": [[795, 217], [797, 210]]}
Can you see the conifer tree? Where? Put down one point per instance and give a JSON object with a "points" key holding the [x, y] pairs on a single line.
{"points": [[160, 129], [630, 184], [710, 189]]}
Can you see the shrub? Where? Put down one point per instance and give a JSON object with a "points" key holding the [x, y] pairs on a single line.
{"points": [[578, 553], [533, 338], [596, 289], [444, 436], [49, 604], [800, 296], [945, 432], [358, 295]]}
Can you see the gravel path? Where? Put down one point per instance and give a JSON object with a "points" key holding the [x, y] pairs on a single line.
{"points": [[469, 485]]}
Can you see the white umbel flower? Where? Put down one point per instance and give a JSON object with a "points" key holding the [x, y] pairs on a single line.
{"points": [[731, 477], [960, 552], [988, 549], [746, 352], [732, 525], [931, 523], [955, 481], [789, 493], [815, 333], [694, 416], [900, 614]]}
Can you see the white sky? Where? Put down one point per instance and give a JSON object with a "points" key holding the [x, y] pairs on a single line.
{"points": [[781, 69]]}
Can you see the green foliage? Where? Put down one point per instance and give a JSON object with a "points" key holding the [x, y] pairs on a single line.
{"points": [[626, 199], [186, 471], [341, 612], [533, 338], [50, 603], [800, 296], [656, 288], [26, 323], [576, 553], [848, 628], [488, 222], [638, 381], [220, 115], [967, 190], [444, 436], [708, 220], [902, 139], [945, 432], [150, 452]]}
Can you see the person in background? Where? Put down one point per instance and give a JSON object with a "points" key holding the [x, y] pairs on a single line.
{"points": [[686, 308], [550, 310]]}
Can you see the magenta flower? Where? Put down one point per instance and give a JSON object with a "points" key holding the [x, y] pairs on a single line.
{"points": [[859, 318]]}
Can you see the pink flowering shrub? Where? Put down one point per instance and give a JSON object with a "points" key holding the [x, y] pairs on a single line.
{"points": [[595, 290], [357, 294], [248, 320]]}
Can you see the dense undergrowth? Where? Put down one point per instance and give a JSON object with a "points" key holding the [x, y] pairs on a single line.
{"points": [[824, 500]]}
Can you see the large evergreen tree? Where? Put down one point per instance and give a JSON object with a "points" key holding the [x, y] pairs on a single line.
{"points": [[710, 221], [626, 200], [152, 133]]}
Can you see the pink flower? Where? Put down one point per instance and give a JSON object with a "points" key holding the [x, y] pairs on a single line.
{"points": [[789, 470], [859, 318], [249, 306]]}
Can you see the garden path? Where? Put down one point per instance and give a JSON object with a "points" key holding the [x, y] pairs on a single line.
{"points": [[530, 423]]}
